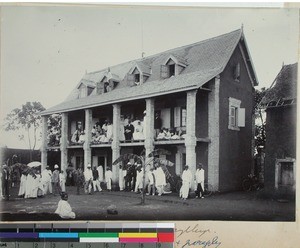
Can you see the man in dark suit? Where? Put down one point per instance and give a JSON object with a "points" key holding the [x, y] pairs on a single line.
{"points": [[128, 131]]}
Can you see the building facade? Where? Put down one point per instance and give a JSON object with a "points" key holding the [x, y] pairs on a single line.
{"points": [[199, 95]]}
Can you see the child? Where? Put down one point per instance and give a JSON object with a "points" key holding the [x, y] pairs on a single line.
{"points": [[64, 209]]}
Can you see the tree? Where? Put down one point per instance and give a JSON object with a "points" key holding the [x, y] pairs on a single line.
{"points": [[147, 162], [26, 118], [260, 123]]}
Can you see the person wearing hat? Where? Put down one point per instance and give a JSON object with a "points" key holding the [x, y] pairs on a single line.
{"points": [[46, 180], [55, 180], [88, 178], [64, 209], [199, 175], [186, 183]]}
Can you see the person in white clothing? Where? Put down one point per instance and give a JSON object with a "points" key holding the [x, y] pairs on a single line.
{"points": [[186, 183], [138, 132], [46, 180], [108, 178], [88, 178], [200, 181], [64, 209], [160, 179], [139, 179], [22, 185], [109, 132], [30, 184]]}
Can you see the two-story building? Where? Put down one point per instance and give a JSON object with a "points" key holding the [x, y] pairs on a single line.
{"points": [[200, 95]]}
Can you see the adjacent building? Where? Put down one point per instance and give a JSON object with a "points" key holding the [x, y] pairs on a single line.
{"points": [[280, 159], [200, 95]]}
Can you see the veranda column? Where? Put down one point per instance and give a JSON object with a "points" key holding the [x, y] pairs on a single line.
{"points": [[148, 128], [214, 134], [190, 140], [115, 146], [88, 138], [44, 142], [64, 141]]}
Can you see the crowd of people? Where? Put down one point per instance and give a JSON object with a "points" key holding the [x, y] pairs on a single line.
{"points": [[131, 129], [34, 183]]}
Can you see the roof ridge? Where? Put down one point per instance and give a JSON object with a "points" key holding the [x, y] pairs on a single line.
{"points": [[170, 50]]}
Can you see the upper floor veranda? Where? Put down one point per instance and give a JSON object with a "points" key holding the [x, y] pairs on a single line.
{"points": [[164, 119]]}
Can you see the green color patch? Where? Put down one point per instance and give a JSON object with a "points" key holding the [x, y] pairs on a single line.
{"points": [[98, 235]]}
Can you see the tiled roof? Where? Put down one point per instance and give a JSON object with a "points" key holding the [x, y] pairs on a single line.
{"points": [[205, 60], [284, 86]]}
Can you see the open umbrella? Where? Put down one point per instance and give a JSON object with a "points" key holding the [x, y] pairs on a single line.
{"points": [[34, 164]]}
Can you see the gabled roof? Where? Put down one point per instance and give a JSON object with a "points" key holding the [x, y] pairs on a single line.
{"points": [[177, 59], [205, 59], [87, 83], [143, 68], [284, 88]]}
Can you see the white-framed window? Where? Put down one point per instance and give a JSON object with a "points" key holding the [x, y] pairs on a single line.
{"points": [[236, 115]]}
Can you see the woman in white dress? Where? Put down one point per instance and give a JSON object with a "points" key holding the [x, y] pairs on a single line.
{"points": [[186, 183], [22, 185], [138, 132], [160, 179]]}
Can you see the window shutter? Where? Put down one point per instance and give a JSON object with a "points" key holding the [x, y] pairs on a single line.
{"points": [[177, 117], [130, 79], [183, 117], [164, 71], [241, 117], [100, 88]]}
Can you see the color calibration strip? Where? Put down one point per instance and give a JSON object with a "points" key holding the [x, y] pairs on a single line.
{"points": [[89, 232]]}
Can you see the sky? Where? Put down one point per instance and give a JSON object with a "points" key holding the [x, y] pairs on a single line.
{"points": [[45, 51]]}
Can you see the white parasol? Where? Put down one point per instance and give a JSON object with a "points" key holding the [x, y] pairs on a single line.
{"points": [[34, 164]]}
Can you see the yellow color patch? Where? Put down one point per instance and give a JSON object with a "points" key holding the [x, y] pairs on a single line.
{"points": [[137, 235]]}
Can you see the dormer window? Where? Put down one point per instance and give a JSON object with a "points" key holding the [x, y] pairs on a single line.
{"points": [[85, 88], [109, 82], [173, 66], [138, 74]]}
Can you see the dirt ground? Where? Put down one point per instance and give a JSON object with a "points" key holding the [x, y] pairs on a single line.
{"points": [[244, 206]]}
